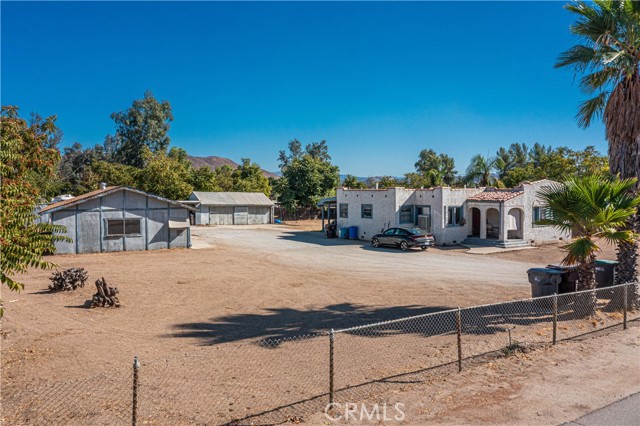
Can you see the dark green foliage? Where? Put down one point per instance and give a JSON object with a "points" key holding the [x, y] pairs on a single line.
{"points": [[144, 125], [436, 169], [307, 176]]}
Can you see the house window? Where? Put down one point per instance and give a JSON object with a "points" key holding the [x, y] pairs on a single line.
{"points": [[454, 216], [541, 213], [123, 227], [406, 214], [423, 217], [344, 210], [367, 211]]}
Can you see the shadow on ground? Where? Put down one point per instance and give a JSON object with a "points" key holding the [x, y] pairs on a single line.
{"points": [[282, 323]]}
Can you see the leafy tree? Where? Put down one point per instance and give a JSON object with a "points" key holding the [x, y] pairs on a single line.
{"points": [[480, 169], [204, 179], [608, 63], [507, 159], [389, 182], [416, 180], [592, 208], [307, 175], [438, 169], [112, 174], [248, 177], [589, 162], [353, 182], [166, 175], [24, 149], [224, 178], [75, 169], [144, 125]]}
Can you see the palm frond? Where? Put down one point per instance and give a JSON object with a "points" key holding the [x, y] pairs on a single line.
{"points": [[592, 108]]}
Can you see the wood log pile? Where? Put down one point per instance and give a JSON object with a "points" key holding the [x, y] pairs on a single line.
{"points": [[69, 279], [106, 296]]}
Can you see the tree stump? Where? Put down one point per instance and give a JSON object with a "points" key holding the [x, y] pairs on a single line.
{"points": [[106, 296], [69, 279]]}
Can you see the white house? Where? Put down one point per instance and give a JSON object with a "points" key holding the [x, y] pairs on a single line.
{"points": [[501, 217]]}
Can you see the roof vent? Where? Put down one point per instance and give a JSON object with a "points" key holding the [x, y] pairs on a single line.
{"points": [[103, 185]]}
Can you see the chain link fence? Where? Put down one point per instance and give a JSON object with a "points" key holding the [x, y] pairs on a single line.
{"points": [[277, 380]]}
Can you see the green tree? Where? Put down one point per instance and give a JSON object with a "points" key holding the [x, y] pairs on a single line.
{"points": [[437, 169], [589, 162], [113, 174], [204, 179], [166, 175], [144, 125], [608, 64], [307, 176], [593, 208], [480, 170], [24, 149], [248, 177], [224, 178], [353, 182], [417, 180]]}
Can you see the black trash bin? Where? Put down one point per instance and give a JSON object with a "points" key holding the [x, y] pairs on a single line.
{"points": [[544, 281], [330, 230], [569, 278], [605, 273]]}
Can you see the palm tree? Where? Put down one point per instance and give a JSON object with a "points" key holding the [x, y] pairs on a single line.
{"points": [[609, 63], [479, 170], [593, 208]]}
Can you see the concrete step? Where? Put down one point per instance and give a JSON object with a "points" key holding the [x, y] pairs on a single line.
{"points": [[495, 243]]}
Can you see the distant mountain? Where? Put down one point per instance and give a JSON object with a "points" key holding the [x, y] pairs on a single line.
{"points": [[214, 162]]}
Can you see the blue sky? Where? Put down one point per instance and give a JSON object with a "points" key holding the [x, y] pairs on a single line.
{"points": [[378, 81]]}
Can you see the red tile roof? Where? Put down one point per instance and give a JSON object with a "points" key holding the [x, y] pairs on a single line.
{"points": [[496, 195], [78, 198]]}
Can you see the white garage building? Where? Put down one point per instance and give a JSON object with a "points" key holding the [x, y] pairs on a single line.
{"points": [[232, 208]]}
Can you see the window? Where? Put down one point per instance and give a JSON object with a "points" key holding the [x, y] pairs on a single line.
{"points": [[344, 210], [423, 217], [454, 216], [541, 213], [406, 214], [389, 231], [367, 211], [123, 227]]}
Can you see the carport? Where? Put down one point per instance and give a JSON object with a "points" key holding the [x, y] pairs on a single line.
{"points": [[328, 208]]}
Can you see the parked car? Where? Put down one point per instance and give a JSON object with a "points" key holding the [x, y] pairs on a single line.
{"points": [[403, 238]]}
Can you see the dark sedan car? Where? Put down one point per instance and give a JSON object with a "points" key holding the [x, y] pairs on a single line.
{"points": [[403, 238]]}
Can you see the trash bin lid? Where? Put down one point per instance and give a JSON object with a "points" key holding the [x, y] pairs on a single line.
{"points": [[548, 271], [563, 267], [606, 262]]}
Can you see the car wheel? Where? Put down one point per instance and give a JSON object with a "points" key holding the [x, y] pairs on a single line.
{"points": [[404, 246], [423, 247], [375, 242]]}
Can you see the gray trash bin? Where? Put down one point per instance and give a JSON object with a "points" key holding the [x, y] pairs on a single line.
{"points": [[544, 281]]}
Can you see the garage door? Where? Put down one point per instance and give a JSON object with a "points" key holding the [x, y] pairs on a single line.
{"points": [[259, 215], [241, 215], [220, 215]]}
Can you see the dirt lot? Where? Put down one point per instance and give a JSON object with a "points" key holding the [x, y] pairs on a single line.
{"points": [[239, 285]]}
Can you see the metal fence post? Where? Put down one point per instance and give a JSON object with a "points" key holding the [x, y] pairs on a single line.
{"points": [[555, 317], [624, 307], [134, 407], [459, 332], [331, 339]]}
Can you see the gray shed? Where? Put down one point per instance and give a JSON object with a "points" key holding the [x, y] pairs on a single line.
{"points": [[119, 218], [232, 208]]}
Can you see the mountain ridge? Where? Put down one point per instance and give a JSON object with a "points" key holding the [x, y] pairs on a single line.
{"points": [[213, 162]]}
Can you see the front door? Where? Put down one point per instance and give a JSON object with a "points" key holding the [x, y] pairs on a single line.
{"points": [[475, 222]]}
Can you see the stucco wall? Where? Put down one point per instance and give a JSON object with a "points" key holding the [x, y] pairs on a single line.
{"points": [[86, 223]]}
